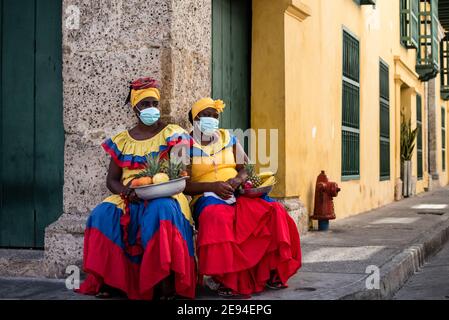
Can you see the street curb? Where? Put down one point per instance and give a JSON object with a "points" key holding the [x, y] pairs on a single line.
{"points": [[395, 273]]}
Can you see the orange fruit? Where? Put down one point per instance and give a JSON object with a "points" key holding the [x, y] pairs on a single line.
{"points": [[141, 182], [135, 183], [184, 174], [145, 181]]}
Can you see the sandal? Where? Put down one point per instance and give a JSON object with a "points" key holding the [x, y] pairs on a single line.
{"points": [[107, 292], [231, 294], [275, 283], [278, 285], [169, 298], [103, 295]]}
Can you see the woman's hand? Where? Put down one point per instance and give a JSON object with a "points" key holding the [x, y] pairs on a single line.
{"points": [[223, 189], [235, 182], [130, 193]]}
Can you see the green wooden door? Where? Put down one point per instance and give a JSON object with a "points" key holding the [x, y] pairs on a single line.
{"points": [[231, 60], [32, 135]]}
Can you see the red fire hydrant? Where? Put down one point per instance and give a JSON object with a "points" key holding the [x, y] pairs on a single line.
{"points": [[324, 211]]}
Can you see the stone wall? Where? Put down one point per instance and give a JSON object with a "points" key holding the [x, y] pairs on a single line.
{"points": [[118, 41], [297, 210]]}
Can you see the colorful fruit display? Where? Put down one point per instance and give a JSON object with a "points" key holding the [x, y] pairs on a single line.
{"points": [[258, 180], [159, 171]]}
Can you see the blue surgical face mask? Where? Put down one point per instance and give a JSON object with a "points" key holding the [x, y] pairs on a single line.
{"points": [[208, 125], [150, 116]]}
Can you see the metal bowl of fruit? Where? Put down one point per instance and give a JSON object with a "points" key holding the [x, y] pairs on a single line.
{"points": [[257, 184], [161, 190], [160, 179]]}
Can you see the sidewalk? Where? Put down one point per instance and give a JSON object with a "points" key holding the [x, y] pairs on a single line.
{"points": [[397, 238]]}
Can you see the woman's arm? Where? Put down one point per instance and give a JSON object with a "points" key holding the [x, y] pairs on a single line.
{"points": [[114, 182], [223, 189], [240, 158]]}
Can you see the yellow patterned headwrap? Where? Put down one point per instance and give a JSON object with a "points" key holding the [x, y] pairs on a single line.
{"points": [[205, 103], [139, 95]]}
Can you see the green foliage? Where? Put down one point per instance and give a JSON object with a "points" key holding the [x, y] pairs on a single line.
{"points": [[408, 139], [173, 168], [152, 167], [250, 169]]}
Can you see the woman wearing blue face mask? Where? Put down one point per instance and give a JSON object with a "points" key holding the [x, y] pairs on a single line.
{"points": [[243, 244], [142, 250]]}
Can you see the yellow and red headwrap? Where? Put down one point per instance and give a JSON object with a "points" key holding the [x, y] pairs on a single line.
{"points": [[205, 103], [143, 88]]}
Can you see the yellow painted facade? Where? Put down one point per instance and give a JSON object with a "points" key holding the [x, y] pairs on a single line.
{"points": [[297, 88]]}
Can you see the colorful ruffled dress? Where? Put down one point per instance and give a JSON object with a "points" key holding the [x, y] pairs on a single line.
{"points": [[240, 244], [133, 247]]}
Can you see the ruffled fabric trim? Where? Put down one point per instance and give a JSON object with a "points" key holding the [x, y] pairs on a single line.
{"points": [[166, 240], [106, 263], [260, 238], [221, 245], [227, 140], [130, 153], [163, 257]]}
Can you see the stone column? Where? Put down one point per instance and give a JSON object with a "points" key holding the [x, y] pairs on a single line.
{"points": [[432, 132], [397, 141], [118, 41]]}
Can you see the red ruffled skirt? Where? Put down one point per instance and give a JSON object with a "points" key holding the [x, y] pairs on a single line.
{"points": [[240, 245], [159, 242]]}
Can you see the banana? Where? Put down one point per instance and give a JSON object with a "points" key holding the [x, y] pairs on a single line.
{"points": [[265, 175], [269, 182]]}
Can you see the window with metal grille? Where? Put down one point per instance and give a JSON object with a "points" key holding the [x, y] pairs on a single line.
{"points": [[419, 138], [443, 138], [351, 108], [444, 49], [428, 58], [410, 23], [384, 76]]}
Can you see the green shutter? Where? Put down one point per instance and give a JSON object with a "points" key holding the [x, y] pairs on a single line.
{"points": [[351, 108], [384, 121], [410, 23], [419, 143], [427, 63], [444, 51], [435, 33], [351, 57]]}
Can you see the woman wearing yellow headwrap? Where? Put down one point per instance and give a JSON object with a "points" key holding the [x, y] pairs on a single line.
{"points": [[244, 244], [134, 247]]}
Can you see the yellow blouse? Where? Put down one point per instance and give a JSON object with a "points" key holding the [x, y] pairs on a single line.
{"points": [[214, 162], [129, 154]]}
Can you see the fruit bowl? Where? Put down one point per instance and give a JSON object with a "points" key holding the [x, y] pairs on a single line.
{"points": [[256, 192], [161, 190]]}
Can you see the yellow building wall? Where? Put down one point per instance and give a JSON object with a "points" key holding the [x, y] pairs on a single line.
{"points": [[297, 88], [268, 76]]}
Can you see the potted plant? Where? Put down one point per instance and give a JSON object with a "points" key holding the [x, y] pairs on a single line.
{"points": [[408, 138]]}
